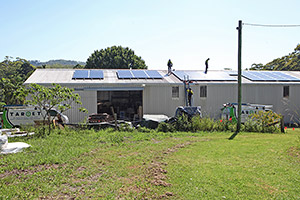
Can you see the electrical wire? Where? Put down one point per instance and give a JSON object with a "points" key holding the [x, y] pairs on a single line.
{"points": [[273, 26]]}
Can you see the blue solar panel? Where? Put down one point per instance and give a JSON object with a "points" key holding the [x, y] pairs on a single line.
{"points": [[154, 74], [125, 74], [88, 74], [139, 74], [201, 76], [81, 74], [180, 74], [268, 76], [96, 74], [253, 76]]}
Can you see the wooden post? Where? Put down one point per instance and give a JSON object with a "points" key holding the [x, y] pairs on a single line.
{"points": [[239, 114], [282, 124], [115, 117], [140, 112], [116, 122]]}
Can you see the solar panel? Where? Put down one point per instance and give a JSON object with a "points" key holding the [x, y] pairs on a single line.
{"points": [[253, 76], [80, 74], [96, 74], [124, 74], [180, 74], [154, 74], [268, 76], [289, 77], [139, 74], [201, 76]]}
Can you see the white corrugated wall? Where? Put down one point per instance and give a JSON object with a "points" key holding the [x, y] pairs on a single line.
{"points": [[157, 99], [89, 101]]}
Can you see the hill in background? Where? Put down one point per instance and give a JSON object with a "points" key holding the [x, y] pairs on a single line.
{"points": [[60, 63]]}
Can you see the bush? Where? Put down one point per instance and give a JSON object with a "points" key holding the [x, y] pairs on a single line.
{"points": [[143, 129], [126, 127], [182, 123], [202, 124], [194, 124], [263, 121], [252, 126], [220, 125], [165, 127]]}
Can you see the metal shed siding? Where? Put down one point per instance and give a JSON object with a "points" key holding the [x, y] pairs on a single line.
{"points": [[273, 95], [89, 101], [217, 95], [291, 105], [264, 94], [158, 100]]}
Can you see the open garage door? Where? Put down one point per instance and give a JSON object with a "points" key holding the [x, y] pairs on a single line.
{"points": [[127, 104]]}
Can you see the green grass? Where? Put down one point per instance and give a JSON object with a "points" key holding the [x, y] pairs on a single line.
{"points": [[127, 165], [253, 166]]}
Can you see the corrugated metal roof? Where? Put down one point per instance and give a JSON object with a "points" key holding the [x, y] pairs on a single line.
{"points": [[64, 76]]}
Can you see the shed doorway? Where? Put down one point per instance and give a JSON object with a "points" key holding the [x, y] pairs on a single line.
{"points": [[127, 104]]}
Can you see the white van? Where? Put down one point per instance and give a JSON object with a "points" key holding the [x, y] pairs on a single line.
{"points": [[17, 115]]}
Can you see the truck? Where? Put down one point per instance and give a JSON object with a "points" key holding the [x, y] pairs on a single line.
{"points": [[229, 110], [18, 115]]}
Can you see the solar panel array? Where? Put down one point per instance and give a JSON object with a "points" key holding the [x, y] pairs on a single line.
{"points": [[201, 76], [268, 76], [139, 74], [88, 74]]}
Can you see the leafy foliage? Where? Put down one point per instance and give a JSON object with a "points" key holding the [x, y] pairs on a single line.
{"points": [[48, 98], [195, 124], [12, 76], [289, 62], [266, 122], [115, 57]]}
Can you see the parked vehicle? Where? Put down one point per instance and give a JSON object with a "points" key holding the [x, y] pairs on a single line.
{"points": [[17, 115], [229, 110], [190, 111]]}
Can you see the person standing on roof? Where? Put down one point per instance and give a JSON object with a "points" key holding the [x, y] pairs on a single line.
{"points": [[170, 64], [206, 65], [190, 95]]}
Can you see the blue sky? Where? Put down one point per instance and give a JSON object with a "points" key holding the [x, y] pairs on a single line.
{"points": [[187, 32]]}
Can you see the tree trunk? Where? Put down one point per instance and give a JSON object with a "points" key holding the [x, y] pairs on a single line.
{"points": [[49, 123]]}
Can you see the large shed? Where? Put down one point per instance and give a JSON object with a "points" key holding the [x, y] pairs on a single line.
{"points": [[131, 92]]}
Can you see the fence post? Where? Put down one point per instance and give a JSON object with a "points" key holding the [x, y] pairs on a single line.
{"points": [[282, 124]]}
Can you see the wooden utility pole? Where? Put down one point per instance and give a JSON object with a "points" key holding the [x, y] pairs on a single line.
{"points": [[238, 128]]}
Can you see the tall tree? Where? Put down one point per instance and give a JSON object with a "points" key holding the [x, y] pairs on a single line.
{"points": [[289, 62], [115, 57], [12, 76]]}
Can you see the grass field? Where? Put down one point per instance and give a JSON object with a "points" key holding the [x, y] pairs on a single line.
{"points": [[128, 165]]}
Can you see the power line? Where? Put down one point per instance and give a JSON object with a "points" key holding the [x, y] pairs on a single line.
{"points": [[273, 26]]}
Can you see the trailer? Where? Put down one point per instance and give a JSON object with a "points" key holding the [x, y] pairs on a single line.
{"points": [[18, 115], [229, 110]]}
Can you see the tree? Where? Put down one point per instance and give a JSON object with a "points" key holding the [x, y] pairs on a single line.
{"points": [[45, 99], [12, 76], [289, 62], [115, 57], [78, 66]]}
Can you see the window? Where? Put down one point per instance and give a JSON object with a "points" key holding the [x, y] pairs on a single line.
{"points": [[203, 91], [175, 92], [286, 91]]}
